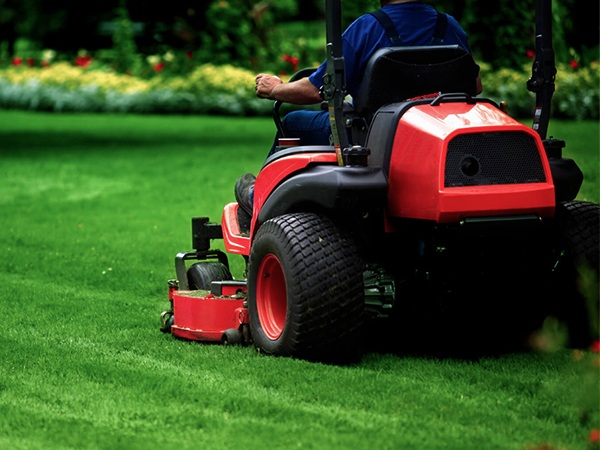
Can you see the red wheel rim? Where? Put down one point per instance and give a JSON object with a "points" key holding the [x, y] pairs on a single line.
{"points": [[271, 297]]}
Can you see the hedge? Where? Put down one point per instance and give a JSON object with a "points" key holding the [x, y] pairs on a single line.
{"points": [[227, 90]]}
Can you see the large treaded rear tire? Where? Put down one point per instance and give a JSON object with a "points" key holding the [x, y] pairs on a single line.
{"points": [[305, 290], [578, 225]]}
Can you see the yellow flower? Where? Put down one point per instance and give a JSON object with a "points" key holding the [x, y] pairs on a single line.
{"points": [[153, 59]]}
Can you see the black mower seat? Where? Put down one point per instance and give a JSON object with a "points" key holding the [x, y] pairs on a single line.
{"points": [[395, 74]]}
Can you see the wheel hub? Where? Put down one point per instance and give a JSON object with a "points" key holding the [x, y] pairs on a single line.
{"points": [[271, 297]]}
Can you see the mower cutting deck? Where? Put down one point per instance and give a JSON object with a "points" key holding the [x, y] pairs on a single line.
{"points": [[217, 316]]}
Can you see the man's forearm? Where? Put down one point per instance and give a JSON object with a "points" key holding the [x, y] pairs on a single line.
{"points": [[301, 92]]}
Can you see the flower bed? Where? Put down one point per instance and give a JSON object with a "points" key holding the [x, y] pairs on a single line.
{"points": [[210, 89], [65, 87]]}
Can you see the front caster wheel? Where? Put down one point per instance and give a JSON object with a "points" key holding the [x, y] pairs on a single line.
{"points": [[166, 321], [232, 336], [202, 274]]}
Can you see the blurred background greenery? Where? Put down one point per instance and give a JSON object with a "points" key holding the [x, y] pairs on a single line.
{"points": [[201, 56]]}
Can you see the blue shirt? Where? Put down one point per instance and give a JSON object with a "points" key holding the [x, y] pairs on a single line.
{"points": [[415, 23]]}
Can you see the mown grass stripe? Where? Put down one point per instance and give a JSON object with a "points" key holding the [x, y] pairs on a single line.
{"points": [[93, 210]]}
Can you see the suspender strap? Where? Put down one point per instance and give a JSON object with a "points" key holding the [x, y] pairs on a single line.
{"points": [[440, 29], [389, 27]]}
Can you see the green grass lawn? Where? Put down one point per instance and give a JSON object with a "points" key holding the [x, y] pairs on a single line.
{"points": [[93, 209]]}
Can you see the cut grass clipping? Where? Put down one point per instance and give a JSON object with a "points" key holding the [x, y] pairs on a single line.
{"points": [[93, 210]]}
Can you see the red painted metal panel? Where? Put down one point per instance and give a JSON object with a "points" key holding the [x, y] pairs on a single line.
{"points": [[268, 179], [234, 242], [201, 316], [416, 175]]}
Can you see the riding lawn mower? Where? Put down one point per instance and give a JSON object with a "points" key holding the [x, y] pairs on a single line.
{"points": [[434, 213]]}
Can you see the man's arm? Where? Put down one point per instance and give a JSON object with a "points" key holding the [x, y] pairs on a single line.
{"points": [[300, 92]]}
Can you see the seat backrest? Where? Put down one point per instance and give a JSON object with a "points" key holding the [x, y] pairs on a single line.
{"points": [[395, 74]]}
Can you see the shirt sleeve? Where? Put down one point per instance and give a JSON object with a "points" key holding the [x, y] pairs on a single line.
{"points": [[316, 78], [359, 42]]}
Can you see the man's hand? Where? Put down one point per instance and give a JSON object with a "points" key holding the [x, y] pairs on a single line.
{"points": [[265, 84]]}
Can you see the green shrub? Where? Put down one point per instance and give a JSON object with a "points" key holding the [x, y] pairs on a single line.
{"points": [[126, 57], [576, 95], [509, 86], [297, 45], [242, 31]]}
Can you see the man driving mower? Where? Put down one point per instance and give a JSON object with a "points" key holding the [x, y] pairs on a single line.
{"points": [[398, 23]]}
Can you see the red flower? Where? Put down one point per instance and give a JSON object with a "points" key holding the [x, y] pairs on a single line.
{"points": [[595, 347], [83, 61], [17, 61], [30, 62], [293, 61], [159, 67], [574, 64], [530, 53], [189, 55], [594, 436]]}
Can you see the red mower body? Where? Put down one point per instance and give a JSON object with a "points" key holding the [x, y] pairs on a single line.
{"points": [[444, 180], [423, 183], [437, 217]]}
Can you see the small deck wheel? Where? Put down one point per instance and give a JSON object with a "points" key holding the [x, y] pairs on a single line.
{"points": [[166, 321], [232, 336]]}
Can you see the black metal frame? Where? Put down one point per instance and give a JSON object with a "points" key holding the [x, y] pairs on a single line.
{"points": [[202, 233], [543, 71]]}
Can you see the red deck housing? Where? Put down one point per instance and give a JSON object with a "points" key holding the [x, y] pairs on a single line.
{"points": [[202, 316]]}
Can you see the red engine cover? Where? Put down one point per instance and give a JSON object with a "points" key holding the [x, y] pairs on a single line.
{"points": [[418, 167]]}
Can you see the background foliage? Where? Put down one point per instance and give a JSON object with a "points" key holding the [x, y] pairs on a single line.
{"points": [[165, 51], [241, 31], [229, 90]]}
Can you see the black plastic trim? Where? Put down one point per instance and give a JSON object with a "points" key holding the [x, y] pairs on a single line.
{"points": [[327, 187]]}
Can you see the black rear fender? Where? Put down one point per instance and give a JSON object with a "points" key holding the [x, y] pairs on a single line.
{"points": [[326, 188]]}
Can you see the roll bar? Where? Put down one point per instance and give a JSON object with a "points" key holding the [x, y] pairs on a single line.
{"points": [[543, 71], [334, 81], [542, 81]]}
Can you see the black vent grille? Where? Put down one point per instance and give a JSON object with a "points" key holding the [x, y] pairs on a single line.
{"points": [[479, 159]]}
